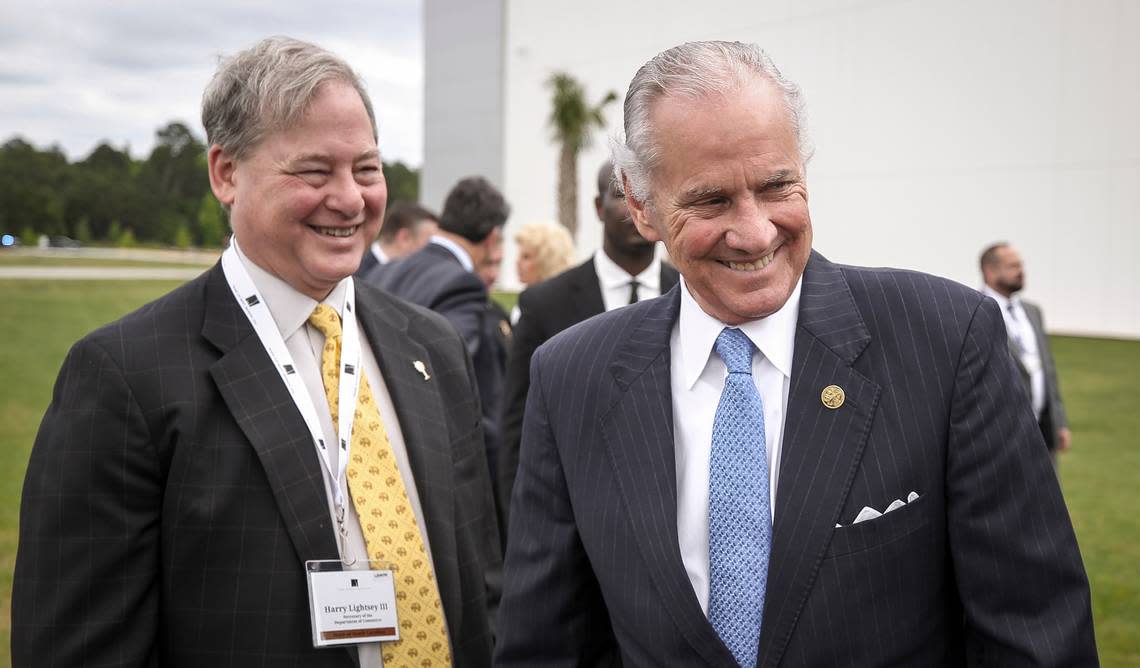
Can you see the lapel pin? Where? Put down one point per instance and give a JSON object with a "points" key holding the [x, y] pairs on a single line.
{"points": [[832, 396], [422, 369]]}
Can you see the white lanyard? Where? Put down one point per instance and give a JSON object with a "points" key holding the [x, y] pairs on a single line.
{"points": [[252, 303]]}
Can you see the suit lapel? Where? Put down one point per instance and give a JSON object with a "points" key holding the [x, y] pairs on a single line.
{"points": [[424, 429], [586, 295], [822, 447], [638, 431], [261, 405], [1036, 323]]}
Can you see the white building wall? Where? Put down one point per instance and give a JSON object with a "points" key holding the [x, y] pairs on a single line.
{"points": [[463, 95], [939, 126]]}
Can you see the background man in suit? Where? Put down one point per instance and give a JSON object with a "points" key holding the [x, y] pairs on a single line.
{"points": [[1004, 277], [624, 271], [442, 277], [179, 481], [867, 489], [407, 228], [498, 321], [498, 330]]}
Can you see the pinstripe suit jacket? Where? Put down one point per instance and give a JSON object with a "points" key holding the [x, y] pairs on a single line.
{"points": [[173, 493], [982, 569]]}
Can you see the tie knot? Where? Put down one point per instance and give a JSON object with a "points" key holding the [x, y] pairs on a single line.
{"points": [[735, 348], [326, 319]]}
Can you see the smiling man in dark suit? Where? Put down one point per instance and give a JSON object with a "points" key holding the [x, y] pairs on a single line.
{"points": [[188, 466], [625, 270], [784, 461]]}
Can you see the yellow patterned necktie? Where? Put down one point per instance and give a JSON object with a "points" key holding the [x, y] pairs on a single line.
{"points": [[391, 533]]}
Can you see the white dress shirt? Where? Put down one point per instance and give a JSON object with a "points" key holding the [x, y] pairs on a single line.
{"points": [[614, 281], [291, 310], [460, 254], [378, 252], [697, 376], [1021, 331]]}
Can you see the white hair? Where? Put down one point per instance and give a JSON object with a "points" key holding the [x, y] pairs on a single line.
{"points": [[693, 70]]}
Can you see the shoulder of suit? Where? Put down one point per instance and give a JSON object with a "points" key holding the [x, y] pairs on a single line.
{"points": [[177, 311], [1030, 306], [605, 330], [912, 285], [426, 277], [921, 304], [374, 302], [439, 261]]}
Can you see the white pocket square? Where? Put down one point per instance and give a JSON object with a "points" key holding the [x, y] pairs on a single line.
{"points": [[869, 513], [895, 505]]}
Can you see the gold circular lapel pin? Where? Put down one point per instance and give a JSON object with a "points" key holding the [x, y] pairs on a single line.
{"points": [[832, 396]]}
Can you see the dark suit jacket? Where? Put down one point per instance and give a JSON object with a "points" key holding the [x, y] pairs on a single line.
{"points": [[1054, 417], [433, 278], [368, 262], [545, 309], [981, 569], [174, 494]]}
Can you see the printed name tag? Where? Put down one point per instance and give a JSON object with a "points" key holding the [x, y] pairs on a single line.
{"points": [[351, 606]]}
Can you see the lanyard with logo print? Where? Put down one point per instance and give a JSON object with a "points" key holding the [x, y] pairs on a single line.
{"points": [[253, 305]]}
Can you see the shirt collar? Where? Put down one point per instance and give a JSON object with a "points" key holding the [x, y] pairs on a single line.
{"points": [[379, 253], [1003, 301], [456, 250], [290, 309], [610, 275], [774, 336]]}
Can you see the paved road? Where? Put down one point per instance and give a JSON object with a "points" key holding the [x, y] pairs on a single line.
{"points": [[100, 273], [170, 256], [196, 262]]}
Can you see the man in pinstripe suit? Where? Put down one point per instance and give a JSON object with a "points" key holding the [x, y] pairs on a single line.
{"points": [[914, 516], [179, 482]]}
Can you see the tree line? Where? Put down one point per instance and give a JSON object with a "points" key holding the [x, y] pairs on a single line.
{"points": [[110, 197]]}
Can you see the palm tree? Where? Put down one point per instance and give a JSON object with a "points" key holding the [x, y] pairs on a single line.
{"points": [[573, 121]]}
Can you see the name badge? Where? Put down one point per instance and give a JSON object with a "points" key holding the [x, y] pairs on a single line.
{"points": [[351, 606]]}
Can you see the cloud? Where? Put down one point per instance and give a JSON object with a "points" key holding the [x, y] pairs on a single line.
{"points": [[78, 72]]}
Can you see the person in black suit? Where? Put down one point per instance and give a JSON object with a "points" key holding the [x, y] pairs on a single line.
{"points": [[1004, 277], [442, 277], [783, 461], [625, 260], [407, 228], [180, 479], [498, 322]]}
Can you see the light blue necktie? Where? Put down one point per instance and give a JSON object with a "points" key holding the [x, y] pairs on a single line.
{"points": [[740, 518]]}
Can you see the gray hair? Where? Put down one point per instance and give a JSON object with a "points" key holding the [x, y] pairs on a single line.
{"points": [[268, 87], [693, 70]]}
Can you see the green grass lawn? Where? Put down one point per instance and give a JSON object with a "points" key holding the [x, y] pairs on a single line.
{"points": [[41, 319], [1100, 475]]}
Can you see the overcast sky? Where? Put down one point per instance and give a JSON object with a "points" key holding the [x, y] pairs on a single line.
{"points": [[78, 72]]}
